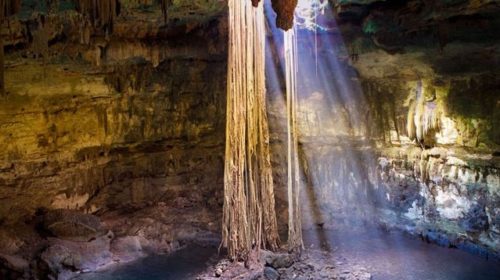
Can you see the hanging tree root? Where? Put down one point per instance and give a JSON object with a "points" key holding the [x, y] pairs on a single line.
{"points": [[249, 217]]}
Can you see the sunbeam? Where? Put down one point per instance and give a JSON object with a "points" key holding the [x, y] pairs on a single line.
{"points": [[337, 189]]}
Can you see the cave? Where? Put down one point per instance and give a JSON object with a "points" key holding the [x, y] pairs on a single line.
{"points": [[250, 139]]}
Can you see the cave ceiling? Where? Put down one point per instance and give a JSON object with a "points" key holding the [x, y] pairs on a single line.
{"points": [[395, 39]]}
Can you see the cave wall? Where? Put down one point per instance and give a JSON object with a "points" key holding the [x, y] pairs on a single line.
{"points": [[112, 123], [443, 185], [446, 187], [359, 162]]}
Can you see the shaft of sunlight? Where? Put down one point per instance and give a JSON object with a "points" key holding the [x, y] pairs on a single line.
{"points": [[327, 106]]}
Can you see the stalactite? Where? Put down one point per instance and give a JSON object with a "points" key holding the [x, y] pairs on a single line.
{"points": [[7, 8], [423, 116], [101, 13], [419, 111], [411, 130], [129, 76], [164, 9], [85, 31], [294, 213], [249, 218], [2, 61], [40, 45]]}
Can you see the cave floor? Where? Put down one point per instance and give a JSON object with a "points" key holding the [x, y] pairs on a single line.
{"points": [[330, 254]]}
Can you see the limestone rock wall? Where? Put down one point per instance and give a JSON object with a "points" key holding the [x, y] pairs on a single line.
{"points": [[137, 124], [446, 192], [446, 195]]}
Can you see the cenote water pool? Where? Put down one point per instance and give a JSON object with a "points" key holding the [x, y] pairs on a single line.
{"points": [[394, 255], [183, 264], [386, 255]]}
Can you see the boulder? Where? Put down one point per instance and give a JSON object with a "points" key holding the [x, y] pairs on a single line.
{"points": [[63, 258], [72, 225], [278, 260], [128, 248]]}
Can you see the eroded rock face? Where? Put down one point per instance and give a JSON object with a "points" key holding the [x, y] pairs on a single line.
{"points": [[13, 267], [89, 138], [450, 198]]}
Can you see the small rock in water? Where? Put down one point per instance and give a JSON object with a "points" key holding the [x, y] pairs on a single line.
{"points": [[271, 273]]}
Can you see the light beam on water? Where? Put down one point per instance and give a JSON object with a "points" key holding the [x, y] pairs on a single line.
{"points": [[337, 164]]}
